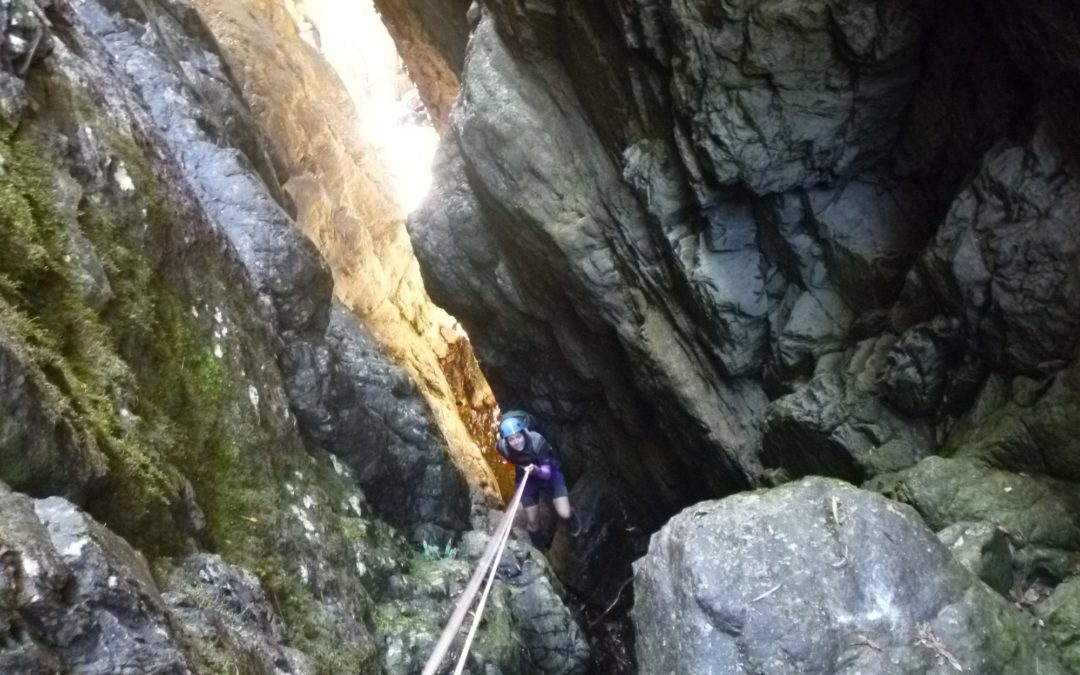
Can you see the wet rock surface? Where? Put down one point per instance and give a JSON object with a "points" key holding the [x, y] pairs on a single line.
{"points": [[340, 192], [78, 598], [290, 278], [171, 374], [712, 246], [386, 434]]}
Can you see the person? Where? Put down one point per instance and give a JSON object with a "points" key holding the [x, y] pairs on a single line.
{"points": [[524, 448]]}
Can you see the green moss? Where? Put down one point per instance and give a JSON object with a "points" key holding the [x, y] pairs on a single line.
{"points": [[1027, 427], [237, 463], [498, 637], [67, 352], [149, 400], [1060, 615]]}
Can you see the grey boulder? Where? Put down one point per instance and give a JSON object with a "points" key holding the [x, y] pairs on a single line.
{"points": [[819, 577], [76, 598]]}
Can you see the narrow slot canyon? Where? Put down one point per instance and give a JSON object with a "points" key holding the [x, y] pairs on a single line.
{"points": [[780, 302]]}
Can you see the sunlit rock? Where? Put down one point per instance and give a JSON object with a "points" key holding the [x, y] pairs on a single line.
{"points": [[344, 199]]}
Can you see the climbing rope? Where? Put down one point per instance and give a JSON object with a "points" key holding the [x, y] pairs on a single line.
{"points": [[492, 554], [483, 601]]}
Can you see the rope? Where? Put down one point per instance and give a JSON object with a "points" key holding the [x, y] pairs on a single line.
{"points": [[493, 552], [480, 605]]}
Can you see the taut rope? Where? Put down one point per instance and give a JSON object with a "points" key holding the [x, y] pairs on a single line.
{"points": [[492, 554]]}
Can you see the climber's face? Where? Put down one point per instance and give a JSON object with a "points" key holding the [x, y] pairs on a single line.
{"points": [[517, 441]]}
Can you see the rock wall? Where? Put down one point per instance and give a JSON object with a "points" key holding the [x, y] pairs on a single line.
{"points": [[207, 464], [719, 246], [431, 39], [713, 246], [341, 199]]}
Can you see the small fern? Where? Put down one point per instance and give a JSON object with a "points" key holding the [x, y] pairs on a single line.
{"points": [[434, 552]]}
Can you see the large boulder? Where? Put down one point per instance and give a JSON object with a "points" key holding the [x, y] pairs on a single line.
{"points": [[77, 598], [819, 577]]}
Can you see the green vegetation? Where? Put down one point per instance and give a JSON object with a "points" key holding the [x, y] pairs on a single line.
{"points": [[150, 395], [68, 354], [432, 551]]}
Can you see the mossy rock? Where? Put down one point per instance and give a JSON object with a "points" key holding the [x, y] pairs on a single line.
{"points": [[1039, 514], [1023, 424], [168, 385], [1060, 616], [67, 355]]}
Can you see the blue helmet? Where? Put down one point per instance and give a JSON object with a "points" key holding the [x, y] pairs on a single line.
{"points": [[510, 426]]}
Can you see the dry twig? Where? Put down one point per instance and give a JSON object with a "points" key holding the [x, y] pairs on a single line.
{"points": [[768, 592], [843, 559], [924, 637], [618, 595], [867, 642]]}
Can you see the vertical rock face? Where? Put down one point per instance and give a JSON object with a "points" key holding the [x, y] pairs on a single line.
{"points": [[431, 39], [724, 245], [1005, 257], [712, 245], [374, 404], [342, 202], [178, 380], [596, 308]]}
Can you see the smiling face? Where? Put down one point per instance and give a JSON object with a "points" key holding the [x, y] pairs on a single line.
{"points": [[516, 441]]}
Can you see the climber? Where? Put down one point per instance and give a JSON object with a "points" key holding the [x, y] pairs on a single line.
{"points": [[523, 448]]}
